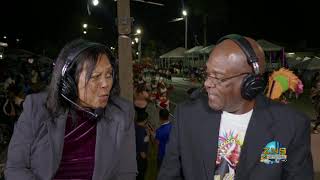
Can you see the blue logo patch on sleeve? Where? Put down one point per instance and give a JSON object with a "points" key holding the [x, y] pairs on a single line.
{"points": [[273, 153]]}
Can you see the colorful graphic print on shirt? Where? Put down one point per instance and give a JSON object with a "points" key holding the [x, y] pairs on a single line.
{"points": [[229, 147]]}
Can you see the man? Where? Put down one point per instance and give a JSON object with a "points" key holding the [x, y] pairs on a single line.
{"points": [[162, 134], [233, 131]]}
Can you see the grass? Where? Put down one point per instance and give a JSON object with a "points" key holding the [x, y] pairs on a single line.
{"points": [[303, 104]]}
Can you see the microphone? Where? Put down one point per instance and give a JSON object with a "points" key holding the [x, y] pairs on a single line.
{"points": [[97, 112]]}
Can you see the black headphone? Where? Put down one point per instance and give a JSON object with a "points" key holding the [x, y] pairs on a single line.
{"points": [[253, 83], [68, 86]]}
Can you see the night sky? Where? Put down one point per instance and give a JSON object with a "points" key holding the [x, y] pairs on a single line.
{"points": [[45, 25]]}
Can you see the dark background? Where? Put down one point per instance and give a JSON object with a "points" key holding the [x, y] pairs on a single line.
{"points": [[44, 26]]}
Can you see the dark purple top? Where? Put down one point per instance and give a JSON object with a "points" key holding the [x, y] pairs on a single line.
{"points": [[77, 161]]}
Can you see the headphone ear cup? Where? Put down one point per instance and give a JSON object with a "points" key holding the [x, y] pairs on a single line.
{"points": [[252, 85], [69, 87]]}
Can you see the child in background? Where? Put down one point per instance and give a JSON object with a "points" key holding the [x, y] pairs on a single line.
{"points": [[162, 134]]}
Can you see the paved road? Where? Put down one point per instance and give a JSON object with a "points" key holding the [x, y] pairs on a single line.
{"points": [[181, 86]]}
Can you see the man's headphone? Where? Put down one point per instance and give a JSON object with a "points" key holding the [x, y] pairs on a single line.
{"points": [[68, 86], [253, 83]]}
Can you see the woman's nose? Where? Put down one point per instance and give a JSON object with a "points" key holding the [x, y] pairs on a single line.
{"points": [[106, 82]]}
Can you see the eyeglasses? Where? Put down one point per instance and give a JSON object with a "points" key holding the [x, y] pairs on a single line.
{"points": [[217, 81]]}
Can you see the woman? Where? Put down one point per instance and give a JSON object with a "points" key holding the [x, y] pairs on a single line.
{"points": [[79, 129]]}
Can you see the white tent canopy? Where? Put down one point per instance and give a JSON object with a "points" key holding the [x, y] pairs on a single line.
{"points": [[175, 53], [207, 49], [194, 51], [309, 64]]}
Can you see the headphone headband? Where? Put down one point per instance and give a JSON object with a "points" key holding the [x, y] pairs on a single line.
{"points": [[246, 47], [253, 83], [75, 52]]}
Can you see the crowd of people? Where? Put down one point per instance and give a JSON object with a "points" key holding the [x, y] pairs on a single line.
{"points": [[14, 88], [152, 107]]}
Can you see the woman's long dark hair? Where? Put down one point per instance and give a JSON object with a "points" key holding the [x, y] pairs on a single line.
{"points": [[55, 103]]}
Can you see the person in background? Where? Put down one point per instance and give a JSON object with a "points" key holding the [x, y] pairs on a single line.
{"points": [[315, 98], [162, 134], [9, 81], [140, 99], [142, 143], [34, 76]]}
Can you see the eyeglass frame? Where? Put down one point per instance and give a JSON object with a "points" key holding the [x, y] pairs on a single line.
{"points": [[222, 80]]}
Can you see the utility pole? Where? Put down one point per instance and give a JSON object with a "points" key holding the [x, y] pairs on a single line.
{"points": [[205, 23], [185, 16], [124, 49]]}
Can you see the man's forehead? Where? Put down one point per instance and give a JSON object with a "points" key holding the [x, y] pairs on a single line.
{"points": [[219, 63], [212, 67]]}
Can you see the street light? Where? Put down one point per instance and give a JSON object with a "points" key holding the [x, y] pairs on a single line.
{"points": [[95, 2], [84, 32], [138, 31], [185, 15], [85, 25], [138, 40]]}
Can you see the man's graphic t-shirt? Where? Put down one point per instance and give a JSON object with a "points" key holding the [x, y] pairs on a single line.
{"points": [[232, 131]]}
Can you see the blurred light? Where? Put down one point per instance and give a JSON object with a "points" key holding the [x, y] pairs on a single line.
{"points": [[112, 48], [138, 31], [4, 37], [84, 32], [17, 40], [85, 26], [1, 56], [137, 53], [176, 19], [95, 2], [184, 13], [136, 39], [30, 60], [292, 53], [132, 42], [3, 44]]}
